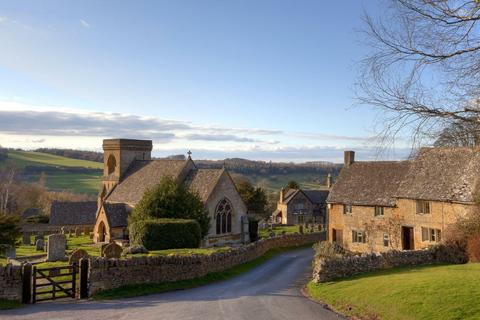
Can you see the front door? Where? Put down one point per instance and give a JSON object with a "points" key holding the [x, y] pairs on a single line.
{"points": [[337, 236], [407, 238]]}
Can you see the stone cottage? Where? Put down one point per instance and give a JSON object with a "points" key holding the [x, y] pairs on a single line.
{"points": [[297, 206], [403, 205], [129, 171]]}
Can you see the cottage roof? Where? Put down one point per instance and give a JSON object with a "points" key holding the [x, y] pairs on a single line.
{"points": [[203, 181], [68, 213], [289, 195], [443, 174], [315, 196], [30, 212], [117, 214], [369, 183], [143, 174]]}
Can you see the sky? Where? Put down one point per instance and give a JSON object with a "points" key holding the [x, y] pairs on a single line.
{"points": [[262, 80]]}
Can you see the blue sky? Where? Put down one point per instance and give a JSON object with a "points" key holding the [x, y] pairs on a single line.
{"points": [[264, 80]]}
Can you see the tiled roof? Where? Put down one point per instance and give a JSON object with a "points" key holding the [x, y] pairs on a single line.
{"points": [[30, 212], [203, 181], [143, 174], [289, 195], [117, 214], [317, 196], [68, 213], [369, 183]]}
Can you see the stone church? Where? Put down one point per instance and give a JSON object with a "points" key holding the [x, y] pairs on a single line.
{"points": [[129, 171]]}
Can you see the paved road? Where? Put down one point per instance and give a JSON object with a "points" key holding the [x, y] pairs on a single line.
{"points": [[270, 291]]}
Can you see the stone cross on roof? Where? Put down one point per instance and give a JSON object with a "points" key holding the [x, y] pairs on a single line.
{"points": [[189, 153]]}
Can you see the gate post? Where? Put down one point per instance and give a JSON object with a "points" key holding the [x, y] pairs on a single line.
{"points": [[83, 278], [27, 284]]}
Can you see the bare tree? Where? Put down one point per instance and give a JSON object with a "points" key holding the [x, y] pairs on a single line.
{"points": [[459, 134], [8, 184], [422, 74]]}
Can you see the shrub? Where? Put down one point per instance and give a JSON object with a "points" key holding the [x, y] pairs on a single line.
{"points": [[458, 236], [473, 247], [10, 231], [253, 229], [162, 234], [41, 218]]}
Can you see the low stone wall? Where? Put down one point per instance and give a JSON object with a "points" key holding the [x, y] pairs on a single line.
{"points": [[10, 282], [113, 273], [327, 270]]}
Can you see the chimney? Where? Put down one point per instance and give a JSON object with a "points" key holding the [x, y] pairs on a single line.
{"points": [[281, 195], [329, 181], [349, 157]]}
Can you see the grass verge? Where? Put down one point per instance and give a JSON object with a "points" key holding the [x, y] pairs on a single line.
{"points": [[421, 292], [9, 304], [136, 290]]}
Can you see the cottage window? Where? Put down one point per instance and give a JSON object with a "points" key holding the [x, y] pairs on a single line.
{"points": [[300, 219], [358, 236], [423, 207], [385, 240], [223, 217], [347, 209], [378, 211], [432, 235]]}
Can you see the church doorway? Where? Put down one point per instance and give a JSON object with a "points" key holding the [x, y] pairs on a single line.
{"points": [[101, 232]]}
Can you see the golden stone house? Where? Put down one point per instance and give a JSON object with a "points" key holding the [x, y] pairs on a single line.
{"points": [[297, 206], [403, 205], [129, 171]]}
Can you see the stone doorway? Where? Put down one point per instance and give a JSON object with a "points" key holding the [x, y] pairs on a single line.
{"points": [[407, 238], [101, 232]]}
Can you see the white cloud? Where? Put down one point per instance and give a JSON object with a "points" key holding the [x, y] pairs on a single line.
{"points": [[85, 24]]}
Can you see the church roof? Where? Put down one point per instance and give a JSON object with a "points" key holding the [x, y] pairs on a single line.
{"points": [[370, 183], [117, 214], [68, 213], [143, 174], [203, 181]]}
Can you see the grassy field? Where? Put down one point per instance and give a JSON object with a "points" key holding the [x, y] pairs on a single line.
{"points": [[422, 292], [275, 186], [288, 230]]}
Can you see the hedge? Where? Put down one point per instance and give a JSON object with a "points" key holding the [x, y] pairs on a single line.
{"points": [[161, 234]]}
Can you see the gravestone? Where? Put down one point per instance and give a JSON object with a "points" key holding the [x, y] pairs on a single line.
{"points": [[91, 236], [320, 227], [78, 232], [272, 234], [70, 233], [26, 239], [56, 247], [10, 253], [62, 231], [113, 250], [39, 244], [295, 233], [40, 236], [102, 248], [312, 230], [306, 225], [300, 229], [284, 232], [77, 255], [86, 231]]}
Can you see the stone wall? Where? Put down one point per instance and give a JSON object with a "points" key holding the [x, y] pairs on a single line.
{"points": [[112, 273], [327, 270], [10, 282]]}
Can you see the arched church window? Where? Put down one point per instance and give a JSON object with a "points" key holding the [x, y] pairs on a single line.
{"points": [[111, 164], [223, 216]]}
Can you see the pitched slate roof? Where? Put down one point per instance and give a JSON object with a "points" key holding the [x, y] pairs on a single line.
{"points": [[68, 213], [30, 212], [117, 214], [143, 174], [317, 196], [443, 174], [289, 195], [369, 183], [203, 181]]}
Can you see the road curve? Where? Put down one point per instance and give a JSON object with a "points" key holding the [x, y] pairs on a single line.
{"points": [[269, 291]]}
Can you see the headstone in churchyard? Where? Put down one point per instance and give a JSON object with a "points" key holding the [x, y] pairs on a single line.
{"points": [[113, 250], [70, 233], [300, 229], [91, 236], [78, 232], [295, 233], [272, 234], [77, 255], [56, 247], [26, 239], [284, 232], [10, 253], [312, 230], [38, 237], [306, 225], [86, 231], [62, 231], [102, 248], [39, 244], [319, 227]]}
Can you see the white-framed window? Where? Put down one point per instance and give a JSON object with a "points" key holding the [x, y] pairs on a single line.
{"points": [[379, 211], [431, 234], [386, 240], [347, 209], [298, 206], [358, 236], [423, 207]]}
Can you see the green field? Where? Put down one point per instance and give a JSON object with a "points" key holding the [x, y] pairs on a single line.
{"points": [[283, 179], [78, 182], [422, 292]]}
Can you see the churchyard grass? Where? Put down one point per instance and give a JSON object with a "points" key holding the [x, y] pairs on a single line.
{"points": [[150, 288], [288, 229], [422, 292]]}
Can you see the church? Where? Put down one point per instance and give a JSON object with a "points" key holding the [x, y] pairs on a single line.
{"points": [[129, 171]]}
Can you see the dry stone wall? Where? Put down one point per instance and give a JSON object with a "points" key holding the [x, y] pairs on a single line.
{"points": [[113, 273], [327, 270], [10, 282]]}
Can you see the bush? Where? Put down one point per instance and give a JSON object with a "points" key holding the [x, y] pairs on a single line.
{"points": [[253, 229], [473, 248], [162, 234], [457, 239], [41, 218], [10, 231]]}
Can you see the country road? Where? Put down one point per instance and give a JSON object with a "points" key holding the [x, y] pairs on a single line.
{"points": [[270, 291]]}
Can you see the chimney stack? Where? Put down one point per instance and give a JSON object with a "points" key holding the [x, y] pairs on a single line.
{"points": [[349, 157], [329, 181], [282, 198]]}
